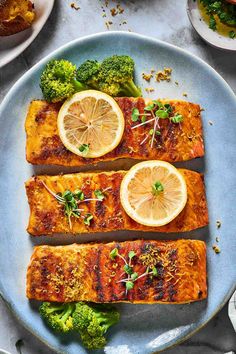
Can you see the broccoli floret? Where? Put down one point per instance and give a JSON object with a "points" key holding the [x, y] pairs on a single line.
{"points": [[90, 320], [58, 81], [113, 76], [93, 321], [116, 76], [93, 343], [88, 73], [58, 316]]}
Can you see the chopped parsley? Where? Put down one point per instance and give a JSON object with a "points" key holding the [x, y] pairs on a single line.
{"points": [[212, 23]]}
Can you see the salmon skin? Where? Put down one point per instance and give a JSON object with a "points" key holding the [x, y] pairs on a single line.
{"points": [[47, 215], [86, 272], [177, 142]]}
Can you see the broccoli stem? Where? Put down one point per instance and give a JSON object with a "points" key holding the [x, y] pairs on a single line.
{"points": [[131, 90], [79, 86], [67, 312], [55, 308], [105, 319]]}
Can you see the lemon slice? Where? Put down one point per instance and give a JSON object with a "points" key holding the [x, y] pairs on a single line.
{"points": [[153, 193], [90, 124]]}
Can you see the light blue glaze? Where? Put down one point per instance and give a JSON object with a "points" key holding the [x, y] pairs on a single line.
{"points": [[143, 328]]}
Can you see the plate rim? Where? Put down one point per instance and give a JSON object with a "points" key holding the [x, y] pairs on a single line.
{"points": [[21, 81], [29, 40]]}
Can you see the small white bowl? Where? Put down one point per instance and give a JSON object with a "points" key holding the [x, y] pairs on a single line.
{"points": [[211, 37]]}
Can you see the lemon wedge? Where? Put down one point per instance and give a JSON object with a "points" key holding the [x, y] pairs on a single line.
{"points": [[90, 124], [153, 193]]}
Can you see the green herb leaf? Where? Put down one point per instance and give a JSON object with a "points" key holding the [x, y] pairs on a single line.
{"points": [[151, 131], [129, 285], [128, 269], [177, 118], [114, 253], [157, 188], [134, 276], [162, 114], [87, 219], [158, 103], [168, 107], [149, 107], [68, 195], [212, 23], [158, 132], [232, 34], [79, 194], [143, 119], [154, 272], [135, 115], [132, 254], [84, 148], [99, 195]]}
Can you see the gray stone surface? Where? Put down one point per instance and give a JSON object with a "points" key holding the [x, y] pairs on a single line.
{"points": [[166, 20]]}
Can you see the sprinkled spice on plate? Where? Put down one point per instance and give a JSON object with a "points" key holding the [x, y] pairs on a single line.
{"points": [[147, 77], [149, 89], [216, 249], [164, 75]]}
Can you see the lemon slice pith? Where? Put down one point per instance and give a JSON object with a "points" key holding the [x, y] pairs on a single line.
{"points": [[90, 124], [153, 193]]}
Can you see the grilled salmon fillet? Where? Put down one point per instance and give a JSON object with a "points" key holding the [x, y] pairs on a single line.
{"points": [[47, 215], [177, 142], [86, 272]]}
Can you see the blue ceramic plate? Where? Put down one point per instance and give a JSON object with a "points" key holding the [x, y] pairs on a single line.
{"points": [[143, 328]]}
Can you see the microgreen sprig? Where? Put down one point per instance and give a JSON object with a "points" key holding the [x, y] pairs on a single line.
{"points": [[155, 110], [71, 201], [135, 115], [99, 194], [157, 188], [84, 149], [132, 276]]}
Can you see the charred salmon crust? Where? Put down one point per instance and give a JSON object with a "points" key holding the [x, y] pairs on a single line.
{"points": [[177, 142], [86, 272], [47, 215]]}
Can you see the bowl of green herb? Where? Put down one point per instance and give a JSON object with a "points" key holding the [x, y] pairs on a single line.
{"points": [[214, 21]]}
